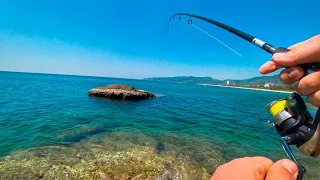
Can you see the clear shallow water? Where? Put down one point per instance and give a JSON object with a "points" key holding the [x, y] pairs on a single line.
{"points": [[47, 117]]}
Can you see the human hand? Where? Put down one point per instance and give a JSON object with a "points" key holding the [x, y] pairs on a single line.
{"points": [[304, 52], [256, 168]]}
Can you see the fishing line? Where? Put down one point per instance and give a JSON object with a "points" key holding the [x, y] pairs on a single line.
{"points": [[254, 40], [213, 38]]}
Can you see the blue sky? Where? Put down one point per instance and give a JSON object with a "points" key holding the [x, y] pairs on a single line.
{"points": [[129, 39]]}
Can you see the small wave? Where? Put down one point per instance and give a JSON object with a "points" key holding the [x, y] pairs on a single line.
{"points": [[160, 95]]}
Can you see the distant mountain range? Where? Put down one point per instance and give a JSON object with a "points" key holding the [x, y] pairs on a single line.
{"points": [[261, 80]]}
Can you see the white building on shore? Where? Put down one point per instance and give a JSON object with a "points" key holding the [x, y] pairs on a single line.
{"points": [[267, 85]]}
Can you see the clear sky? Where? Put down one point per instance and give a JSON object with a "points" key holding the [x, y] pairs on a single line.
{"points": [[117, 38]]}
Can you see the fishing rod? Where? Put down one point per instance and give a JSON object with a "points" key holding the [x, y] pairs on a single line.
{"points": [[292, 121], [254, 40]]}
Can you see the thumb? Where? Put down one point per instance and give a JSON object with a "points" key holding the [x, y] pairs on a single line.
{"points": [[283, 170], [304, 52]]}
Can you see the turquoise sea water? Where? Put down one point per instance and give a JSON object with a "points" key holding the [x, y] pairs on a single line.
{"points": [[201, 125]]}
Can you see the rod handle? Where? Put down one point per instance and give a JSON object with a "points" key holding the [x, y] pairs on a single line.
{"points": [[306, 67]]}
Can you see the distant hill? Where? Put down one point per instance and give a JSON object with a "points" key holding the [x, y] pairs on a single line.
{"points": [[261, 80], [187, 79], [258, 81]]}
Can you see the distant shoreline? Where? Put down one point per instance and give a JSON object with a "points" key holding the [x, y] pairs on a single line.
{"points": [[256, 89]]}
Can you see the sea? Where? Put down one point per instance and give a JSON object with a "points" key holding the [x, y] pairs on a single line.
{"points": [[51, 129]]}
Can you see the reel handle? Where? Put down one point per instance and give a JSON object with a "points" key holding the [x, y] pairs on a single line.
{"points": [[301, 169], [306, 67], [301, 172]]}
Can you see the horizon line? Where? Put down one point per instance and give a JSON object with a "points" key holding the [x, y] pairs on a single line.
{"points": [[81, 75]]}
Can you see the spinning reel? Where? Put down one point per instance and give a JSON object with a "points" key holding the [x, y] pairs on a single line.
{"points": [[296, 126]]}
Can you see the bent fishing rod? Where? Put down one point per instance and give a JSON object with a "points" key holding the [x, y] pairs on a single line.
{"points": [[254, 40], [293, 122]]}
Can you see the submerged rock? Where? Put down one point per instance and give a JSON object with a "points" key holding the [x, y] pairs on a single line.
{"points": [[115, 157], [120, 92]]}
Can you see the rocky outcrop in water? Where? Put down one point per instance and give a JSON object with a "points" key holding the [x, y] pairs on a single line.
{"points": [[120, 92]]}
